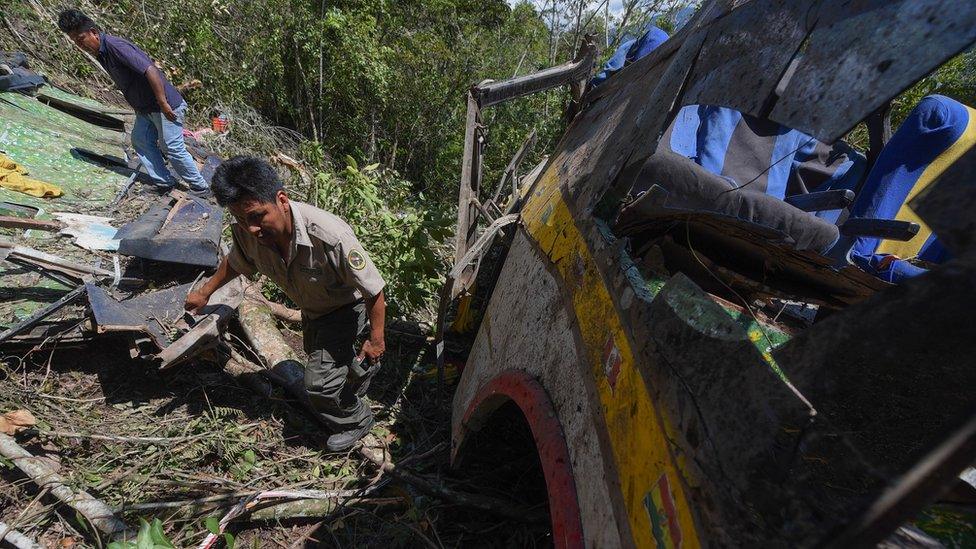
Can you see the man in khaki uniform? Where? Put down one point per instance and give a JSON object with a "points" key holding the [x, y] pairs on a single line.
{"points": [[317, 260]]}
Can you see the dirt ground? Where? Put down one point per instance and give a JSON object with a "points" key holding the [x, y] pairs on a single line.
{"points": [[204, 441]]}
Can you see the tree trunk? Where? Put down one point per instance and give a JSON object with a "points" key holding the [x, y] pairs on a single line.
{"points": [[269, 348]]}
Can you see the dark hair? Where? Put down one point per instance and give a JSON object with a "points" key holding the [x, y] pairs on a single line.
{"points": [[74, 20], [244, 177]]}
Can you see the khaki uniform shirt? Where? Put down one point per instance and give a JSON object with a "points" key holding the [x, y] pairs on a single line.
{"points": [[326, 267]]}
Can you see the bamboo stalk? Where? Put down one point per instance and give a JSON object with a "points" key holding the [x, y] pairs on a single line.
{"points": [[15, 538], [95, 511]]}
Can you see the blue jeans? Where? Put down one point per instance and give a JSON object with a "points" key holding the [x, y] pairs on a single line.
{"points": [[152, 136]]}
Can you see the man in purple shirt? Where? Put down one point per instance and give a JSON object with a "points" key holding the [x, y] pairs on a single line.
{"points": [[160, 109]]}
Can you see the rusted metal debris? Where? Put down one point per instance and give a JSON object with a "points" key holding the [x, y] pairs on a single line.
{"points": [[174, 334], [11, 222]]}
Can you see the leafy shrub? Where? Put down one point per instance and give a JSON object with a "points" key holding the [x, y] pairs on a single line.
{"points": [[403, 233]]}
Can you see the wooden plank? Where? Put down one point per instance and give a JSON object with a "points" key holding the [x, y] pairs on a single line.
{"points": [[11, 222], [51, 262]]}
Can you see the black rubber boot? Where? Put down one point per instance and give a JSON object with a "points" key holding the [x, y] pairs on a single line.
{"points": [[344, 440]]}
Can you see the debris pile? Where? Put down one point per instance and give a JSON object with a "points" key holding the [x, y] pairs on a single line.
{"points": [[125, 418]]}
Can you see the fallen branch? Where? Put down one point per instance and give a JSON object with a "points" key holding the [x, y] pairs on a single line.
{"points": [[246, 372], [281, 494], [281, 312], [296, 167], [15, 538], [487, 504], [95, 511], [114, 438], [249, 502], [255, 315], [267, 345], [294, 316], [194, 84]]}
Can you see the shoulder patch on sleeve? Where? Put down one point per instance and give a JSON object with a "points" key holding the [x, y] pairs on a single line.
{"points": [[356, 260]]}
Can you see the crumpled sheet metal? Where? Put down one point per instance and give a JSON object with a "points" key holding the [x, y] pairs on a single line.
{"points": [[159, 315], [152, 313], [186, 232]]}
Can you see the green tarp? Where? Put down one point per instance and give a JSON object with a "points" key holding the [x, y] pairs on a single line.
{"points": [[51, 145]]}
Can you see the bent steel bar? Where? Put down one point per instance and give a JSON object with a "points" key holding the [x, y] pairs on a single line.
{"points": [[493, 93], [470, 180]]}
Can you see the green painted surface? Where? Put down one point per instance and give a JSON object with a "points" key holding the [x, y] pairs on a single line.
{"points": [[23, 292], [955, 528], [58, 93], [764, 336], [46, 141]]}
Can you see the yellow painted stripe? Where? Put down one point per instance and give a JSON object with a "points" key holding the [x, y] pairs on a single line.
{"points": [[639, 445], [934, 170], [464, 320]]}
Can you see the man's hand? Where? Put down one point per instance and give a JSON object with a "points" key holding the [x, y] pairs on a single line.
{"points": [[195, 300], [373, 349], [168, 112], [376, 311]]}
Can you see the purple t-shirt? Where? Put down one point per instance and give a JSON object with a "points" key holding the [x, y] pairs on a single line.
{"points": [[127, 65]]}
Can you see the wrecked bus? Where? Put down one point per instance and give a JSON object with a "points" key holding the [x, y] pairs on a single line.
{"points": [[714, 367]]}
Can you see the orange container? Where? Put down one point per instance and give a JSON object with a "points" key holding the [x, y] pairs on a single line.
{"points": [[219, 124]]}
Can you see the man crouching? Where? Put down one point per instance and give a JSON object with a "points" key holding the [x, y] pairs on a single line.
{"points": [[319, 263]]}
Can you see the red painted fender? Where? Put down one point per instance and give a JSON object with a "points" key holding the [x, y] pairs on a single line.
{"points": [[533, 400]]}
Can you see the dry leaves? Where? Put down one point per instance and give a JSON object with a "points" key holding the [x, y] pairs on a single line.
{"points": [[16, 421]]}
